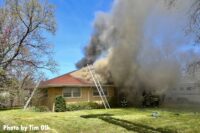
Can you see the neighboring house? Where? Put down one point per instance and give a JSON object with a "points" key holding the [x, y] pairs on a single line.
{"points": [[188, 90], [76, 86]]}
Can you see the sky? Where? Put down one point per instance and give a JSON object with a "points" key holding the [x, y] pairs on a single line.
{"points": [[74, 27]]}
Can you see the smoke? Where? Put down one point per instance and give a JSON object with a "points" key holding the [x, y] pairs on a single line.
{"points": [[141, 44], [96, 46]]}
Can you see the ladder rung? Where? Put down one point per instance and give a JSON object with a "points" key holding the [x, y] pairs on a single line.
{"points": [[98, 86]]}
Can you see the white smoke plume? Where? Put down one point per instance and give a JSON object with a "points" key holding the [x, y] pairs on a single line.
{"points": [[141, 44]]}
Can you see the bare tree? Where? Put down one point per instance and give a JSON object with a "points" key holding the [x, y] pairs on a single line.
{"points": [[195, 20], [22, 42], [24, 50], [194, 13]]}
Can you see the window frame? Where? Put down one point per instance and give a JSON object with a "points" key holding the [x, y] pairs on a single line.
{"points": [[72, 92]]}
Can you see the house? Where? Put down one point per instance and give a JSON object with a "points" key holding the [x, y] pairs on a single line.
{"points": [[76, 86], [188, 89]]}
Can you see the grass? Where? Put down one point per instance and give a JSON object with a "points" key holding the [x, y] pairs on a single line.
{"points": [[107, 121]]}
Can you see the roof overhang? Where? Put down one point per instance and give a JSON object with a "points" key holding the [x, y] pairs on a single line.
{"points": [[71, 85]]}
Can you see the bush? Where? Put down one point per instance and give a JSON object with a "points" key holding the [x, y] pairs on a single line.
{"points": [[39, 109], [60, 105], [83, 106], [72, 107], [94, 105]]}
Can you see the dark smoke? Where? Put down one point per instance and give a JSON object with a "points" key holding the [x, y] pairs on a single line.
{"points": [[140, 44], [95, 47], [91, 52]]}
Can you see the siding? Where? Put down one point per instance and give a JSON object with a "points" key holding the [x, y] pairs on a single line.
{"points": [[52, 93], [86, 96]]}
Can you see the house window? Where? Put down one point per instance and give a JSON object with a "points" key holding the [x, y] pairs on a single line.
{"points": [[96, 93], [76, 92], [71, 92], [67, 92]]}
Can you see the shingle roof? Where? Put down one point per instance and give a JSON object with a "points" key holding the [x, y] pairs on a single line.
{"points": [[75, 78], [64, 80]]}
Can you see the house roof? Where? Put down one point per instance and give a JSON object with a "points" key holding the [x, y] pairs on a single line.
{"points": [[64, 80], [75, 78]]}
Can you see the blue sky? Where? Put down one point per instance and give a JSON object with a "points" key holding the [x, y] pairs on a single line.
{"points": [[74, 28]]}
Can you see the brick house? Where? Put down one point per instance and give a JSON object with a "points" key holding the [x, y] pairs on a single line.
{"points": [[76, 86]]}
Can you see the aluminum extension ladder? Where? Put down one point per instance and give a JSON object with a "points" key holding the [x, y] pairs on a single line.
{"points": [[98, 86]]}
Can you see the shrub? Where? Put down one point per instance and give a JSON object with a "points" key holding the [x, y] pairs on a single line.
{"points": [[72, 107], [94, 105], [82, 106], [60, 105]]}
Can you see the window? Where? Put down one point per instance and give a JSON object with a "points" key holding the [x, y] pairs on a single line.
{"points": [[76, 92], [96, 93], [71, 92], [67, 92]]}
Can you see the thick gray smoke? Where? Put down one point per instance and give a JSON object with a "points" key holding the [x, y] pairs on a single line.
{"points": [[142, 44]]}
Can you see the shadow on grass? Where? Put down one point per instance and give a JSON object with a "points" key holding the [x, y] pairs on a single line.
{"points": [[96, 115], [140, 128]]}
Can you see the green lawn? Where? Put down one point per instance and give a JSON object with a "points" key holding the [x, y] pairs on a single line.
{"points": [[107, 121]]}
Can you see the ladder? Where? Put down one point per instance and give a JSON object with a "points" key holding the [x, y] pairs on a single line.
{"points": [[98, 86]]}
